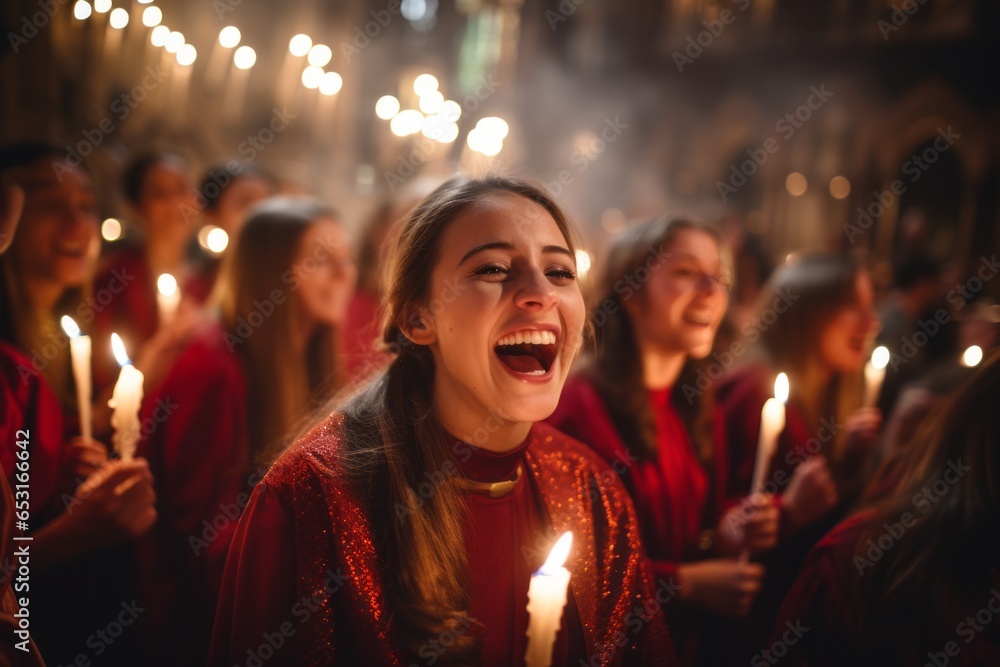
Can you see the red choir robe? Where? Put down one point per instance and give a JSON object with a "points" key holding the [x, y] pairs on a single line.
{"points": [[29, 411], [740, 395], [302, 581], [819, 624], [123, 302], [196, 440], [671, 493]]}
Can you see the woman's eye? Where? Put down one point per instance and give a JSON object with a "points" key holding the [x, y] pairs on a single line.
{"points": [[492, 270], [562, 274]]}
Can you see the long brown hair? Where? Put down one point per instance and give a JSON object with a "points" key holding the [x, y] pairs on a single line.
{"points": [[617, 369], [393, 440], [949, 548], [817, 286], [283, 385]]}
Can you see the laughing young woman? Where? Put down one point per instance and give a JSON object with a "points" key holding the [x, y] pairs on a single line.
{"points": [[406, 525]]}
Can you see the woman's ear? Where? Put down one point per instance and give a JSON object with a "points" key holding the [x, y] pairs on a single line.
{"points": [[419, 328]]}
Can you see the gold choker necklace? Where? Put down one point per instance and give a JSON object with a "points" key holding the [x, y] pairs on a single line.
{"points": [[492, 489]]}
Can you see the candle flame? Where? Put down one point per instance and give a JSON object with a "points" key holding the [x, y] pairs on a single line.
{"points": [[781, 387], [69, 326], [972, 356], [118, 347], [558, 555], [166, 284], [880, 357]]}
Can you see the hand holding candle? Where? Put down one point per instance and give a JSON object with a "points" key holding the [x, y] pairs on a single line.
{"points": [[79, 349], [874, 376], [125, 403], [772, 423], [546, 600]]}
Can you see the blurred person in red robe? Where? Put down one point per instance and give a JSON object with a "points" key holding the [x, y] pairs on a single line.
{"points": [[158, 190], [914, 577], [815, 321], [364, 356], [71, 526], [406, 525], [240, 386], [662, 298], [227, 194]]}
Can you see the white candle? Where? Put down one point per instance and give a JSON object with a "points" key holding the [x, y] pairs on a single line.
{"points": [[874, 375], [125, 402], [772, 423], [546, 600], [168, 298], [79, 350]]}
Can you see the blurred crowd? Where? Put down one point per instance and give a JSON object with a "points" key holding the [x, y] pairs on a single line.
{"points": [[248, 306]]}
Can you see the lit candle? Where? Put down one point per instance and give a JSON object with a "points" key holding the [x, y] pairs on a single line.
{"points": [[772, 422], [874, 375], [125, 403], [168, 298], [79, 349], [972, 356], [546, 600]]}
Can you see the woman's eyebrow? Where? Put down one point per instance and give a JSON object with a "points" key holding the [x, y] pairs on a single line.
{"points": [[502, 245]]}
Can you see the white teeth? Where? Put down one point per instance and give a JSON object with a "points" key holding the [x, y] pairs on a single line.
{"points": [[529, 337]]}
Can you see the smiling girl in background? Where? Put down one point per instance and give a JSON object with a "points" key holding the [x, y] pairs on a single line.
{"points": [[634, 406], [237, 389], [823, 321], [416, 510]]}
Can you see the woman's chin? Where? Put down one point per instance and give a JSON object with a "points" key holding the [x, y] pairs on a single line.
{"points": [[529, 409]]}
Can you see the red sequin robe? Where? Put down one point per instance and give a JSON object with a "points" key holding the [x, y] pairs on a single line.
{"points": [[302, 583], [671, 494]]}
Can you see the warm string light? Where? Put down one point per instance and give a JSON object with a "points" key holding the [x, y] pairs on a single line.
{"points": [[244, 57], [436, 117]]}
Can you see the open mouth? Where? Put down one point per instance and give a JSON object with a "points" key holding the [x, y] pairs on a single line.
{"points": [[696, 320], [73, 252], [528, 352]]}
